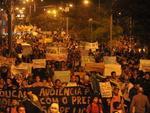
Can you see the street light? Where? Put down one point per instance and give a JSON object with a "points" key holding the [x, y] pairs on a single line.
{"points": [[86, 2], [66, 9], [91, 26], [70, 5]]}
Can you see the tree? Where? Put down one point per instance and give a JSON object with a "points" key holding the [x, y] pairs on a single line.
{"points": [[79, 25]]}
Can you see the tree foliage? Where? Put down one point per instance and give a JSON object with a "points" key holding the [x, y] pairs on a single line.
{"points": [[79, 24]]}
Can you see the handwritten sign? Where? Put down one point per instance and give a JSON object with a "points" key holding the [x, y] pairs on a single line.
{"points": [[105, 89], [112, 67], [64, 76], [39, 63], [145, 65], [56, 53], [110, 60]]}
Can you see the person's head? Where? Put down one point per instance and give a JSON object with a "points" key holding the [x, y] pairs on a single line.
{"points": [[140, 90], [73, 78], [77, 78], [113, 74], [9, 81], [14, 102], [116, 91], [44, 80], [37, 78], [2, 82], [54, 108], [147, 76], [95, 99], [21, 109], [58, 83], [116, 105], [136, 85]]}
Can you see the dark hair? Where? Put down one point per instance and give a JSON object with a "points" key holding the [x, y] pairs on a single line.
{"points": [[57, 80], [116, 105], [113, 72]]}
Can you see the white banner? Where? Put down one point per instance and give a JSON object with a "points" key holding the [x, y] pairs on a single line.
{"points": [[87, 59], [98, 67], [112, 67], [92, 46], [145, 65], [64, 76], [56, 53], [21, 68], [110, 60], [27, 49], [105, 89], [39, 63]]}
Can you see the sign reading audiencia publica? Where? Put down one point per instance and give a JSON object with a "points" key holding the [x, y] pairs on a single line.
{"points": [[70, 99]]}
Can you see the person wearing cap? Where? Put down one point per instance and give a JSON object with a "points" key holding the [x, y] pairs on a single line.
{"points": [[140, 103]]}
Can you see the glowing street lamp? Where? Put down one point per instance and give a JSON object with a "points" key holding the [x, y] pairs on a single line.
{"points": [[70, 5], [86, 2]]}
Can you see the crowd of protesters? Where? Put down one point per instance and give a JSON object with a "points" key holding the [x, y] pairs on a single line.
{"points": [[132, 96]]}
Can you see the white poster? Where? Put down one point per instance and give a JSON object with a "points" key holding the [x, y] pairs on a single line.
{"points": [[64, 76], [145, 65], [112, 67], [39, 63], [105, 89]]}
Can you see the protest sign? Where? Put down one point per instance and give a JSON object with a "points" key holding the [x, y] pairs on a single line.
{"points": [[87, 59], [145, 65], [93, 46], [97, 67], [81, 74], [64, 76], [27, 49], [112, 67], [105, 89], [56, 53], [21, 68], [70, 99], [39, 63], [7, 61], [110, 60]]}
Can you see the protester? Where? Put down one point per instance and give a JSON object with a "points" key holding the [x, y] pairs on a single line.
{"points": [[116, 98], [54, 108], [21, 109], [140, 103], [23, 78], [95, 106]]}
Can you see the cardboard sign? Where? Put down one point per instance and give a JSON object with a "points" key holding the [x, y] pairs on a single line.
{"points": [[92, 46], [21, 68], [97, 67], [27, 49], [110, 60], [145, 65], [39, 63], [56, 53], [112, 67], [7, 61], [64, 76], [105, 89], [87, 59]]}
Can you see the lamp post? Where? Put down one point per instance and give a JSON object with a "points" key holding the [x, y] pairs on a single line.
{"points": [[9, 11], [91, 28], [66, 9]]}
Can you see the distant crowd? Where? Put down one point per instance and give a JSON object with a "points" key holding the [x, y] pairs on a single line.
{"points": [[131, 90]]}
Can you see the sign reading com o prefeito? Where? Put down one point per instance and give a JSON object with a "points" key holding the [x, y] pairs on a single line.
{"points": [[70, 99]]}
